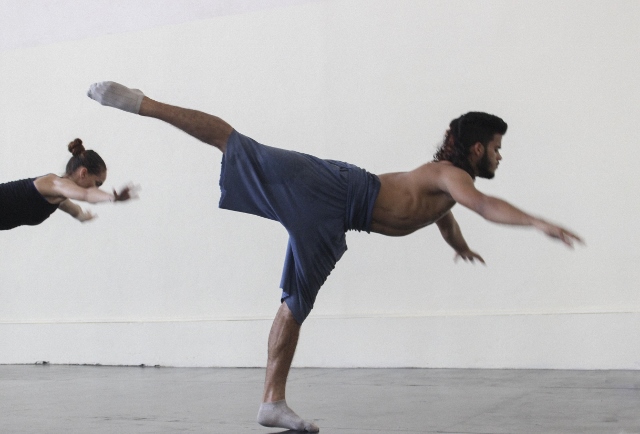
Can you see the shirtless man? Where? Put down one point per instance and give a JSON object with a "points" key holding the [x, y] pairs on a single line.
{"points": [[317, 201]]}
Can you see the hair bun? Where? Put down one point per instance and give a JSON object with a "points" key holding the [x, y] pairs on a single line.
{"points": [[76, 147]]}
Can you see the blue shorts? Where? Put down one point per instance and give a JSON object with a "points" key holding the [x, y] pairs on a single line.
{"points": [[316, 201]]}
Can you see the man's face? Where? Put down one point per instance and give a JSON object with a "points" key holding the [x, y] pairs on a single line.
{"points": [[491, 158]]}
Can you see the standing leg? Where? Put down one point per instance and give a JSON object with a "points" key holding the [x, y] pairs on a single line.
{"points": [[204, 127], [283, 340]]}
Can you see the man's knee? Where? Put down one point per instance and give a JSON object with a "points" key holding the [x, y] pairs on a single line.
{"points": [[285, 311], [291, 305]]}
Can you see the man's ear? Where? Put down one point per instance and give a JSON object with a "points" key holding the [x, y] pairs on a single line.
{"points": [[477, 150]]}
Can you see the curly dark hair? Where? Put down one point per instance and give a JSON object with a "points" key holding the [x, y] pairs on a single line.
{"points": [[463, 133]]}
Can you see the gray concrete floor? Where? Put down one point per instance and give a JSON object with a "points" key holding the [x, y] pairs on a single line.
{"points": [[101, 400]]}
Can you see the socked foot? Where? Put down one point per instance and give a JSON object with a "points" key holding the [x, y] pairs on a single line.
{"points": [[279, 415], [113, 94]]}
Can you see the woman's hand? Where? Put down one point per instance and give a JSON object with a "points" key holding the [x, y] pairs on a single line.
{"points": [[127, 193]]}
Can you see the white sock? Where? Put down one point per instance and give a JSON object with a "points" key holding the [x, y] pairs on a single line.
{"points": [[113, 94], [278, 414]]}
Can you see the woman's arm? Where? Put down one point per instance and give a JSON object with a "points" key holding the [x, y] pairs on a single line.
{"points": [[69, 189], [76, 211], [52, 186]]}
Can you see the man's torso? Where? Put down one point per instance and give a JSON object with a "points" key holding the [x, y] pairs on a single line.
{"points": [[409, 201]]}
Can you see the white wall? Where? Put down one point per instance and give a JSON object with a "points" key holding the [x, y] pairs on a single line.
{"points": [[172, 280]]}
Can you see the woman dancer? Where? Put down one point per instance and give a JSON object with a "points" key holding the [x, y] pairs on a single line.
{"points": [[31, 201]]}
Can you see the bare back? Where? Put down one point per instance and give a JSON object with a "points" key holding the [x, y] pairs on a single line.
{"points": [[409, 201]]}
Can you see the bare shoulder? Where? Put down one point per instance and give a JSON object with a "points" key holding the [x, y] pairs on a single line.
{"points": [[48, 186], [439, 176], [45, 180], [47, 177]]}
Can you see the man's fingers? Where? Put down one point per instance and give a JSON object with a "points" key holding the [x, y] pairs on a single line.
{"points": [[575, 237], [466, 257], [569, 238], [566, 236]]}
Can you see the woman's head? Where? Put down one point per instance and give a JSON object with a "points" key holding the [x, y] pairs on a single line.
{"points": [[86, 168]]}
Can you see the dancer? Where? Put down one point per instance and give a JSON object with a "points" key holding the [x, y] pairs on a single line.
{"points": [[31, 201], [317, 201]]}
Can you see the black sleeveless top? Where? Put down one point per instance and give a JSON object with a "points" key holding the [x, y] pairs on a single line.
{"points": [[22, 204]]}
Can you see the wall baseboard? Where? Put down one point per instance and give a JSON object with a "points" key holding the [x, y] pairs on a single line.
{"points": [[553, 341]]}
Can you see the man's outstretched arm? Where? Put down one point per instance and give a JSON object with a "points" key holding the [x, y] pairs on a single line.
{"points": [[450, 231], [461, 188]]}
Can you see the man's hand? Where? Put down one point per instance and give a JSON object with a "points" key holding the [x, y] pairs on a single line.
{"points": [[468, 255], [557, 232]]}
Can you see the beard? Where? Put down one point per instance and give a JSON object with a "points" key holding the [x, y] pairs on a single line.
{"points": [[484, 168]]}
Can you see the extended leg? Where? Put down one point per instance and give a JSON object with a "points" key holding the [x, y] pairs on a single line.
{"points": [[283, 340], [204, 127]]}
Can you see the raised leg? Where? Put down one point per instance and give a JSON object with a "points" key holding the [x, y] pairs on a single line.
{"points": [[283, 340], [204, 127]]}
